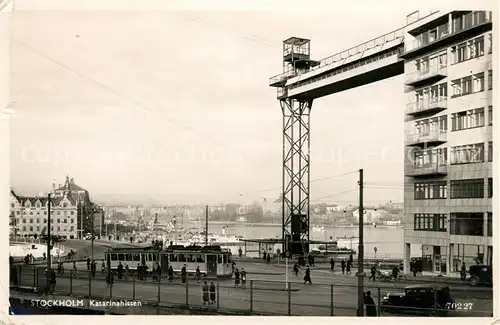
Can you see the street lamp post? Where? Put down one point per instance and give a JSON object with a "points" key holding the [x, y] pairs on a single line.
{"points": [[49, 264]]}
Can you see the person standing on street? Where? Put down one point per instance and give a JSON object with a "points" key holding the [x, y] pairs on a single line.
{"points": [[243, 277], [342, 265], [205, 292], [332, 264], [371, 308], [212, 292], [236, 277]]}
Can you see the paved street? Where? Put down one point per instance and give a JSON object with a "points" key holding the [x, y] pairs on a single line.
{"points": [[267, 295]]}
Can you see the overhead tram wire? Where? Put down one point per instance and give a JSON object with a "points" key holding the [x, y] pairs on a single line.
{"points": [[313, 180]]}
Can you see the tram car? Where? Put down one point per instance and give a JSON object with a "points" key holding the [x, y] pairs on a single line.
{"points": [[213, 261]]}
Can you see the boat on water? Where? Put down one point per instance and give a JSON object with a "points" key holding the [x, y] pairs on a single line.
{"points": [[346, 242]]}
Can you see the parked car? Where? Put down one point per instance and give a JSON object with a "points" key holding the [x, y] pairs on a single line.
{"points": [[419, 300], [481, 275]]}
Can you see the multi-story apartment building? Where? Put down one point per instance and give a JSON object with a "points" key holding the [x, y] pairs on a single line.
{"points": [[448, 145], [71, 213], [30, 215]]}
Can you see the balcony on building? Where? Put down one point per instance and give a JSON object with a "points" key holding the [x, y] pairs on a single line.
{"points": [[428, 106], [427, 75], [441, 31], [427, 139], [439, 168]]}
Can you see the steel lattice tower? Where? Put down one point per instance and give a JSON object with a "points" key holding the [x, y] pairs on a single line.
{"points": [[296, 136]]}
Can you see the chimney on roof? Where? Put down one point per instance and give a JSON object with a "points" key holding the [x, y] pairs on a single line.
{"points": [[71, 180]]}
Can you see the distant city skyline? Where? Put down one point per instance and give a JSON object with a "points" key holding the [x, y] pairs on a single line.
{"points": [[191, 119]]}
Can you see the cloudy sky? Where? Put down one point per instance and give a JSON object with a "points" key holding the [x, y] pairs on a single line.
{"points": [[175, 105]]}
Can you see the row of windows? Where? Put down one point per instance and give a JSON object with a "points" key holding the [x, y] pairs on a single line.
{"points": [[45, 213], [430, 157], [426, 126], [468, 50], [470, 153], [468, 119], [467, 224], [176, 257], [430, 222], [31, 228], [24, 220], [433, 93], [423, 64], [459, 189], [464, 223], [39, 205], [468, 85], [470, 188], [430, 190]]}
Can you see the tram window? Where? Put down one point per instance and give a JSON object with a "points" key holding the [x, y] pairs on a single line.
{"points": [[136, 257], [121, 257], [200, 258], [182, 258], [224, 257], [219, 259], [229, 258], [191, 258], [113, 257], [128, 257], [143, 258], [150, 257], [154, 257], [173, 258]]}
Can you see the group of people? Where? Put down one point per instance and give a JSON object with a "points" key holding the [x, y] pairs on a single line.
{"points": [[344, 265]]}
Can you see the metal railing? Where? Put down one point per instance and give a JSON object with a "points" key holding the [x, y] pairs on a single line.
{"points": [[433, 135], [255, 297], [424, 105], [469, 21], [426, 169], [433, 70]]}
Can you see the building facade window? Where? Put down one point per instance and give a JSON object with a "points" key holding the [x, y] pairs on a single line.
{"points": [[467, 119], [467, 224], [431, 125], [468, 85], [430, 222], [468, 50], [490, 151], [490, 115], [490, 43], [430, 190], [490, 225], [490, 80], [490, 187], [467, 188], [467, 154], [430, 157], [432, 94]]}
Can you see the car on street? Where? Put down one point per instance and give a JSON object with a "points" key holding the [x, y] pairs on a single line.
{"points": [[481, 275], [421, 299]]}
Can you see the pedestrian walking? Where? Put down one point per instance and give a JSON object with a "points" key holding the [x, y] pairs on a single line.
{"points": [[372, 271], [342, 265], [74, 268], [170, 274], [307, 277], [332, 264], [88, 263], [120, 270], [296, 269], [463, 272], [205, 292], [348, 267], [184, 273], [198, 274]]}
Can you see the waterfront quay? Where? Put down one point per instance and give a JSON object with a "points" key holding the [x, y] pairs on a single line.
{"points": [[331, 294]]}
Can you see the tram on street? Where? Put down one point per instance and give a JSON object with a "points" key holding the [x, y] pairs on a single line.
{"points": [[213, 261]]}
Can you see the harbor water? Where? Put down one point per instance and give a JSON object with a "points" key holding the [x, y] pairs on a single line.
{"points": [[387, 241]]}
